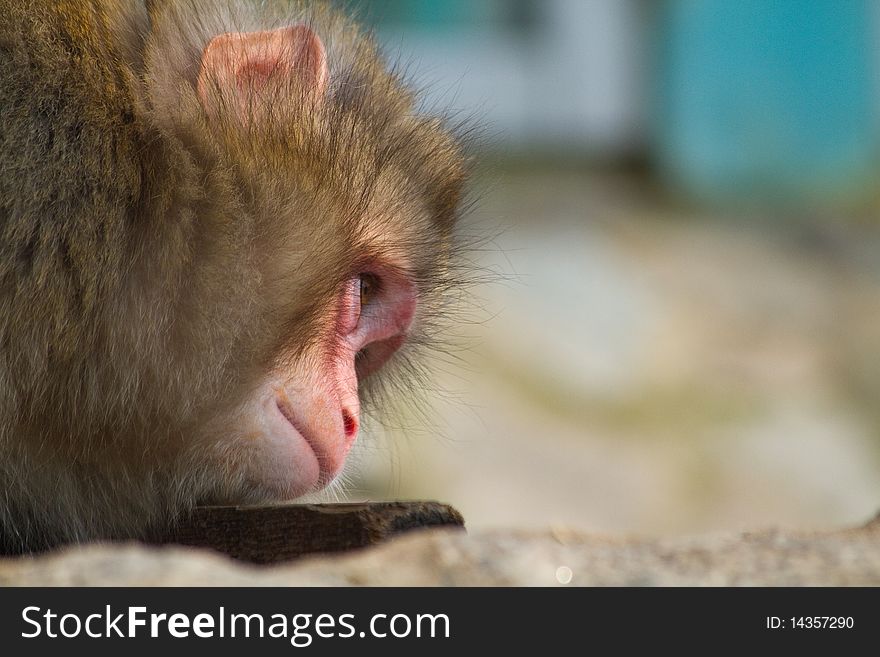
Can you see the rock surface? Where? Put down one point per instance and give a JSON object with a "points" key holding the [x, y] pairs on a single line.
{"points": [[440, 557]]}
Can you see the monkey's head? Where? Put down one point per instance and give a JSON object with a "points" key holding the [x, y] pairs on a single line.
{"points": [[291, 233]]}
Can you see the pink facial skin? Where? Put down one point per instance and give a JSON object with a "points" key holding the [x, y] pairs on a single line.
{"points": [[308, 417]]}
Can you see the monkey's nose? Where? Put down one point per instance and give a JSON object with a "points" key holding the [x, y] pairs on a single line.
{"points": [[350, 423]]}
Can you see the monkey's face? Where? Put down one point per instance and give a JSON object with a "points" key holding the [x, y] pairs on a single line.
{"points": [[297, 429]]}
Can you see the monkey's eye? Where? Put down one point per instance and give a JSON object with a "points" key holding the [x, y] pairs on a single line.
{"points": [[369, 287]]}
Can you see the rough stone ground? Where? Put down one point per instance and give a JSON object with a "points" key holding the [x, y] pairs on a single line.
{"points": [[494, 558]]}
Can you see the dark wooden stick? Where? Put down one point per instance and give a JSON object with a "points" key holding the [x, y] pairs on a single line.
{"points": [[268, 534]]}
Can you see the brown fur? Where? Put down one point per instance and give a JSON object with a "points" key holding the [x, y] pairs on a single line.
{"points": [[154, 264]]}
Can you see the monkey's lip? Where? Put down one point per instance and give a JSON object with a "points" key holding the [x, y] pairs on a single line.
{"points": [[324, 477]]}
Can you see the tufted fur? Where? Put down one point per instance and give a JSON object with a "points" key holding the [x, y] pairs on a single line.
{"points": [[154, 263]]}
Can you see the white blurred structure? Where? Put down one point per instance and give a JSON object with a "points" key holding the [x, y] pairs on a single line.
{"points": [[566, 76]]}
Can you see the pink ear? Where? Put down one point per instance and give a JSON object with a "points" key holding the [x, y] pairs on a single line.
{"points": [[244, 64]]}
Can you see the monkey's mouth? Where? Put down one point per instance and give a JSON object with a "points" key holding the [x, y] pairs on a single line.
{"points": [[329, 464], [287, 415]]}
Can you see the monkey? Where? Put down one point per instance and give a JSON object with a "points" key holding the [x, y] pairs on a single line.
{"points": [[219, 220]]}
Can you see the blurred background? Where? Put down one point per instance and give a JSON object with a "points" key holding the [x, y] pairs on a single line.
{"points": [[679, 327]]}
